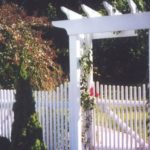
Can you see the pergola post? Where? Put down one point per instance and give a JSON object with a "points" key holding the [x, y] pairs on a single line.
{"points": [[149, 93], [74, 94]]}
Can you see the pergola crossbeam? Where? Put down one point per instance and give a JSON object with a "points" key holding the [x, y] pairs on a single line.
{"points": [[106, 24], [71, 15], [107, 35]]}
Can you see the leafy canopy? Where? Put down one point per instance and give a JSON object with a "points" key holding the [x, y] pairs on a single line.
{"points": [[21, 42]]}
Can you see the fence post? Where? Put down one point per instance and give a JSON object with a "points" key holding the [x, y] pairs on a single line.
{"points": [[74, 94]]}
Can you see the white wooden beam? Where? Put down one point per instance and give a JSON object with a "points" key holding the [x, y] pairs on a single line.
{"points": [[110, 9], [107, 35], [90, 12], [71, 14], [106, 24], [132, 6]]}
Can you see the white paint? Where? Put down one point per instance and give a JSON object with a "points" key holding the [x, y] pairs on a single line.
{"points": [[74, 93], [71, 14], [90, 12], [106, 24], [132, 6], [110, 9], [107, 35]]}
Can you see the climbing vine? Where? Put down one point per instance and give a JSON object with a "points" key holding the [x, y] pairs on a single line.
{"points": [[87, 99], [87, 95]]}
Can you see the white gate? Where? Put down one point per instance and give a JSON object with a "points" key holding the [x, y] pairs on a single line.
{"points": [[120, 118]]}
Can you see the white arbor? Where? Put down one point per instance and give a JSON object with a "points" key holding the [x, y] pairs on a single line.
{"points": [[84, 29]]}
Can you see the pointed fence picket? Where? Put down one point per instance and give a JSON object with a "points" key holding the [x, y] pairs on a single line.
{"points": [[53, 113], [6, 115]]}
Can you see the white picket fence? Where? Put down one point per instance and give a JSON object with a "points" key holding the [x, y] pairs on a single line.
{"points": [[118, 119], [53, 112]]}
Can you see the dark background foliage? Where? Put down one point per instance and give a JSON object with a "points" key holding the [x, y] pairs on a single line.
{"points": [[117, 61]]}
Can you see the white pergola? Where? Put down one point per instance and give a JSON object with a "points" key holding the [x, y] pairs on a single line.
{"points": [[84, 29]]}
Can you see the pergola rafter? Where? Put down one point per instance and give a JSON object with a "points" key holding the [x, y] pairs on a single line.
{"points": [[84, 29]]}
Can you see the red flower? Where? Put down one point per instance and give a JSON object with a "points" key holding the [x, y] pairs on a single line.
{"points": [[97, 94], [92, 93]]}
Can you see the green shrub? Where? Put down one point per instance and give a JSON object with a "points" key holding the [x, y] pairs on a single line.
{"points": [[26, 129]]}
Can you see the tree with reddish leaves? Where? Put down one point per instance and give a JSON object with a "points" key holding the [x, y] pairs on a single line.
{"points": [[19, 32]]}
